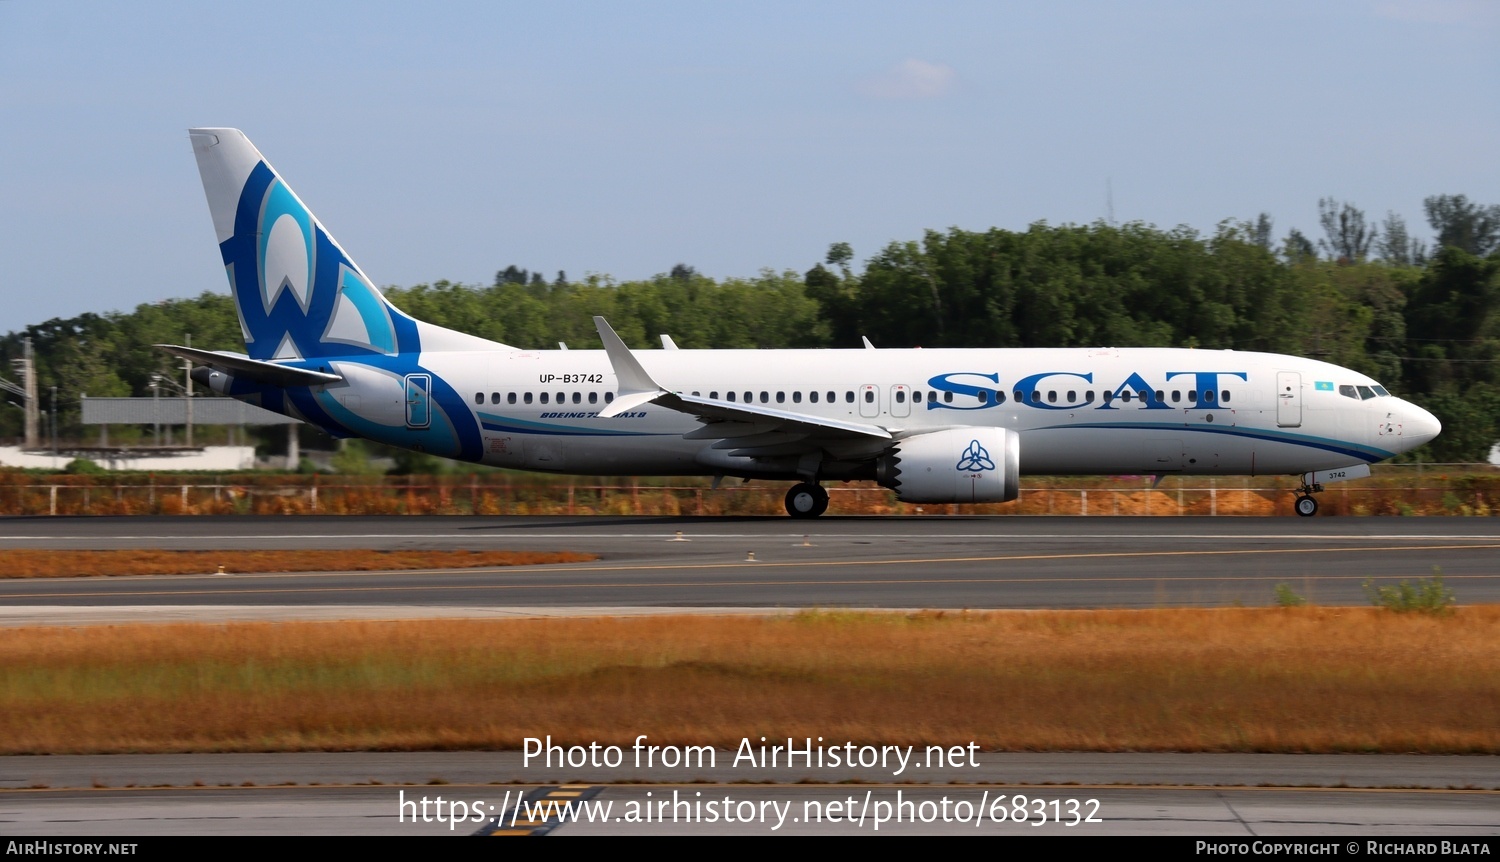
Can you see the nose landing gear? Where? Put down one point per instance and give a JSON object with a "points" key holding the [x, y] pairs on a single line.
{"points": [[806, 500], [1307, 504]]}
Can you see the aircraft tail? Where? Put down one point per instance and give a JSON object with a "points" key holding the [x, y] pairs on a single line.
{"points": [[299, 296]]}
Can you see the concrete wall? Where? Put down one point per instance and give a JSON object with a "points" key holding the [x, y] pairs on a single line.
{"points": [[202, 458]]}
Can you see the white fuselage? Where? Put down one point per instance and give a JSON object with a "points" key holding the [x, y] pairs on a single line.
{"points": [[1079, 412]]}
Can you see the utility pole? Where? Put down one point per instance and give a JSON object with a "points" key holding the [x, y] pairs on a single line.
{"points": [[156, 410], [293, 447], [54, 427], [26, 391], [28, 380], [187, 391]]}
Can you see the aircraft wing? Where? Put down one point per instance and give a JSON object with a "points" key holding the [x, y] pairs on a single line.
{"points": [[744, 429], [245, 368]]}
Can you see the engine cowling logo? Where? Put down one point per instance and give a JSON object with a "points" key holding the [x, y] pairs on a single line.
{"points": [[975, 459]]}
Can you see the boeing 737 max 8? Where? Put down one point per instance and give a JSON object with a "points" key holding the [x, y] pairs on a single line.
{"points": [[936, 426]]}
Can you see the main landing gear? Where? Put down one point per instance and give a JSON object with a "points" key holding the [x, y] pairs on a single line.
{"points": [[1306, 504], [806, 500]]}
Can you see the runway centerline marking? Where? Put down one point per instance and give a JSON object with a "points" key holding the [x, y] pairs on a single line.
{"points": [[784, 565], [791, 564]]}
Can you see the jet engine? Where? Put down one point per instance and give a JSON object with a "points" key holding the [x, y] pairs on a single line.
{"points": [[959, 465]]}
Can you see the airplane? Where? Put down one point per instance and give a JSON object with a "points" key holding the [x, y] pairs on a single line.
{"points": [[324, 346]]}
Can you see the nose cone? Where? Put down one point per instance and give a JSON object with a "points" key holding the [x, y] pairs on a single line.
{"points": [[1421, 426]]}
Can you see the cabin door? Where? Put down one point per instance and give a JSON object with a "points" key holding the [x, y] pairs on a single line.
{"points": [[1288, 399]]}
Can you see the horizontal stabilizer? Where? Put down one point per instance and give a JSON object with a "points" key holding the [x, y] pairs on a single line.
{"points": [[244, 368]]}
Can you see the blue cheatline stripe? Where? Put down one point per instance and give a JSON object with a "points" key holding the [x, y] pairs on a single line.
{"points": [[1364, 453], [523, 426]]}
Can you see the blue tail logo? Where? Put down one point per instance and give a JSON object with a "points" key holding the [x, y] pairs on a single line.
{"points": [[299, 296]]}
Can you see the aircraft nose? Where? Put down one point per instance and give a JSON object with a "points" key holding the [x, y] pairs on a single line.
{"points": [[1421, 425]]}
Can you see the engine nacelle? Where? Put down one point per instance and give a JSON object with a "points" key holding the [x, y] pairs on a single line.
{"points": [[217, 381], [960, 465]]}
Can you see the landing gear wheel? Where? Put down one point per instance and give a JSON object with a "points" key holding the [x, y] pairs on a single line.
{"points": [[806, 500], [1307, 506]]}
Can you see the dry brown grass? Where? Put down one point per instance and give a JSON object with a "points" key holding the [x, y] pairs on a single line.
{"points": [[1295, 680], [72, 564]]}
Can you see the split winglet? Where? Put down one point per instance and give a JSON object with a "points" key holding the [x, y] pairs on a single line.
{"points": [[636, 386]]}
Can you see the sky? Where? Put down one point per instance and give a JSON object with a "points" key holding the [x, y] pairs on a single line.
{"points": [[449, 140]]}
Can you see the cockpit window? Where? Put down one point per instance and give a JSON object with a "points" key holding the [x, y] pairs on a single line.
{"points": [[1380, 390], [1366, 393], [1348, 391]]}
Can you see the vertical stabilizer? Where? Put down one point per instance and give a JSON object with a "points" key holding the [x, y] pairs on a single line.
{"points": [[299, 296]]}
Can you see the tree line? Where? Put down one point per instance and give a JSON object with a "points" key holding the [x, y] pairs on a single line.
{"points": [[1421, 317]]}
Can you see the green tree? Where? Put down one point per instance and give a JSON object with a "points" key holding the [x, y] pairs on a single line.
{"points": [[1348, 238], [1463, 224]]}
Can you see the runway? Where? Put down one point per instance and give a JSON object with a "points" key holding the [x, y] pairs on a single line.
{"points": [[739, 565], [1238, 814], [767, 563], [1232, 796]]}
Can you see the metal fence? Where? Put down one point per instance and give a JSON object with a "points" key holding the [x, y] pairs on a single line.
{"points": [[470, 495]]}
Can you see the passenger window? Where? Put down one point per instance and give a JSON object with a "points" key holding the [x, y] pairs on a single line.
{"points": [[900, 397], [714, 395], [869, 397], [1192, 396], [1036, 396], [510, 398], [1072, 396], [983, 396], [749, 397], [1208, 396], [1160, 397], [765, 397], [833, 396], [729, 395], [528, 398], [916, 397], [478, 397], [1088, 396], [813, 396], [1224, 397], [1125, 396], [562, 398], [608, 397], [1144, 395], [796, 397], [999, 397], [1109, 398], [594, 397], [947, 397], [1176, 395], [780, 397], [1051, 396], [544, 398], [1020, 396]]}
